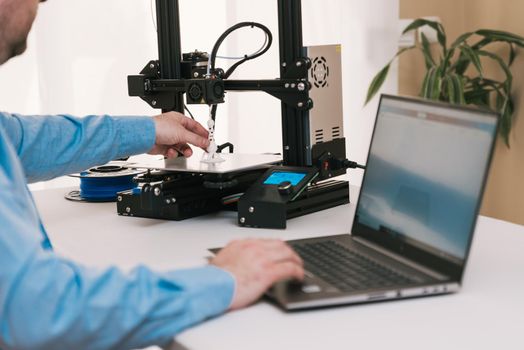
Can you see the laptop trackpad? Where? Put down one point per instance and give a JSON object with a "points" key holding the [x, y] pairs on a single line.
{"points": [[310, 286]]}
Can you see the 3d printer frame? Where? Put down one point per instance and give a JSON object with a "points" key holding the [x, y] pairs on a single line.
{"points": [[162, 85]]}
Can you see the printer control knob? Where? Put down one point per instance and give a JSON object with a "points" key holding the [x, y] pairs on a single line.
{"points": [[285, 188]]}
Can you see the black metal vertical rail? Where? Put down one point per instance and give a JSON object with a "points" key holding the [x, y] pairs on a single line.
{"points": [[295, 126], [169, 48]]}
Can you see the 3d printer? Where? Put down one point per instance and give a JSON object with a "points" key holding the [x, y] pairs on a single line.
{"points": [[265, 189]]}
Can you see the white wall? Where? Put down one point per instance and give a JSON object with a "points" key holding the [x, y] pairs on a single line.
{"points": [[19, 90], [81, 52], [86, 49], [369, 38], [254, 122]]}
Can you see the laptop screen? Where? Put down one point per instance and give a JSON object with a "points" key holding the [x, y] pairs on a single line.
{"points": [[425, 176]]}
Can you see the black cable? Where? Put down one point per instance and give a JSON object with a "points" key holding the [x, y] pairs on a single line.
{"points": [[224, 146], [214, 112], [224, 35], [348, 164], [214, 53], [188, 111]]}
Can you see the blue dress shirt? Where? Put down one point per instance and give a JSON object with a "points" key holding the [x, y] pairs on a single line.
{"points": [[47, 302]]}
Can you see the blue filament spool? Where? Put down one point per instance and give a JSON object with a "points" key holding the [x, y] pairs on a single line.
{"points": [[101, 184], [104, 189]]}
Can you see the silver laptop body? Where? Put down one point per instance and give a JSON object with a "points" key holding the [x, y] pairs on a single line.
{"points": [[416, 213]]}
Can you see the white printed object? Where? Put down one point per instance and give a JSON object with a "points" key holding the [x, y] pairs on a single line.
{"points": [[211, 155]]}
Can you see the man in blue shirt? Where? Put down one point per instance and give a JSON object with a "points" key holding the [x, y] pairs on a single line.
{"points": [[47, 302]]}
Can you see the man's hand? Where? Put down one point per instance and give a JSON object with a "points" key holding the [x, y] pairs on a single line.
{"points": [[174, 133], [257, 265]]}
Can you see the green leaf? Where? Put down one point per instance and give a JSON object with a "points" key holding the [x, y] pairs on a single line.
{"points": [[381, 76], [377, 82], [455, 89], [473, 56], [479, 82], [502, 64], [461, 39], [498, 35], [478, 96], [450, 90], [492, 36], [421, 22], [424, 89], [507, 117], [512, 51], [424, 84], [506, 108], [483, 42], [504, 102], [512, 54], [426, 50], [432, 88], [461, 65]]}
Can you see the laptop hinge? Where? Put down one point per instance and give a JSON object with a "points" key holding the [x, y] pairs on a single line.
{"points": [[401, 259]]}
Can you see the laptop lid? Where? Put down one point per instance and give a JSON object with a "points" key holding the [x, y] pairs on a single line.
{"points": [[425, 177]]}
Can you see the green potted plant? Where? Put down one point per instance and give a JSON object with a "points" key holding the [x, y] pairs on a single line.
{"points": [[448, 78]]}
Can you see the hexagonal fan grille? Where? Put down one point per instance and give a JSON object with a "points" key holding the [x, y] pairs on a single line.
{"points": [[320, 72]]}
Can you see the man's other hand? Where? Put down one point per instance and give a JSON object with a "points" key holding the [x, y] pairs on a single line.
{"points": [[256, 265], [175, 132]]}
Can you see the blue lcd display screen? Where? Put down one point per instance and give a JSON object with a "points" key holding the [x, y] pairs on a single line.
{"points": [[278, 177]]}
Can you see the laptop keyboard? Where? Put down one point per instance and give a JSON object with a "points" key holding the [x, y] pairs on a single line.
{"points": [[347, 269]]}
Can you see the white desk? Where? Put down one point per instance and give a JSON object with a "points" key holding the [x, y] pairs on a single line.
{"points": [[487, 314]]}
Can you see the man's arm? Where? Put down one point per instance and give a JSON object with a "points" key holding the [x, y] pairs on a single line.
{"points": [[51, 303], [51, 146]]}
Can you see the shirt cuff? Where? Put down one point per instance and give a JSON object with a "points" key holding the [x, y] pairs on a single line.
{"points": [[211, 290], [136, 135]]}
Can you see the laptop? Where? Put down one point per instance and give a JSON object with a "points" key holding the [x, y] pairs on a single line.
{"points": [[416, 213]]}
